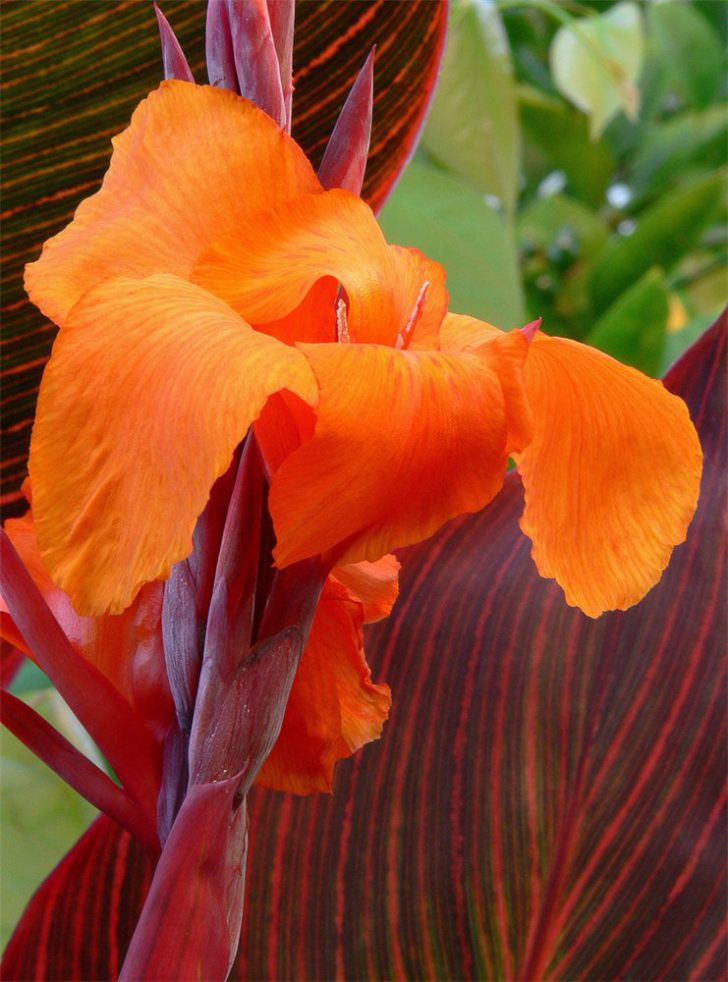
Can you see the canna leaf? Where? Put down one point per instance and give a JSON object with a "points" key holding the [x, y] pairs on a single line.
{"points": [[62, 934], [549, 793], [62, 105], [548, 798]]}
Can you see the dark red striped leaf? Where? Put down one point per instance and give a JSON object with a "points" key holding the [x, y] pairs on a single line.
{"points": [[548, 801], [72, 73], [79, 923]]}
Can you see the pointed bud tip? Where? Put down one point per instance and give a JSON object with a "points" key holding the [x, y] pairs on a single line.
{"points": [[530, 329]]}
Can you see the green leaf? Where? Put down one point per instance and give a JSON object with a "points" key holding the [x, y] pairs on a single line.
{"points": [[543, 221], [691, 51], [668, 149], [595, 62], [561, 134], [451, 223], [664, 233], [472, 127], [634, 328], [41, 818], [559, 237]]}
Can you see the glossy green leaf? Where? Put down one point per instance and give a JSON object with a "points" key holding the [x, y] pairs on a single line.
{"points": [[634, 328], [545, 219], [596, 61], [451, 223], [690, 49], [664, 233], [707, 292], [668, 149], [561, 135], [472, 126]]}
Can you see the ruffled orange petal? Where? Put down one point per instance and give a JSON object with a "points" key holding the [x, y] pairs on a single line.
{"points": [[148, 391], [467, 334], [194, 162], [265, 268], [611, 478], [127, 647], [403, 442], [376, 585], [334, 707]]}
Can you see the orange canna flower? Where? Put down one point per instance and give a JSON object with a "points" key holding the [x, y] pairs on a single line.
{"points": [[196, 294], [212, 284]]}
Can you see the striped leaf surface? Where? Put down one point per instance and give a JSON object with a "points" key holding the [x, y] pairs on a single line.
{"points": [[72, 74], [548, 801], [80, 921]]}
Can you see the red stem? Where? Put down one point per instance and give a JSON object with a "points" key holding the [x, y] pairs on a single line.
{"points": [[82, 774], [106, 715]]}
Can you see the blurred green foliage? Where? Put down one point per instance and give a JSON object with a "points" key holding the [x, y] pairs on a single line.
{"points": [[41, 816], [573, 167]]}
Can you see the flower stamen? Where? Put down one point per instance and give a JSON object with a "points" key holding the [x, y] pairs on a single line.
{"points": [[342, 325], [404, 337]]}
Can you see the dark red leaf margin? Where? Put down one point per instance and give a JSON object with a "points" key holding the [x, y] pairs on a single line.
{"points": [[73, 72], [80, 922], [548, 801]]}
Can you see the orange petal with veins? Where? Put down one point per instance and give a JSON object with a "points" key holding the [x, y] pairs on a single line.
{"points": [[403, 442], [466, 334], [194, 163], [149, 389], [266, 267], [334, 707], [374, 584], [611, 478]]}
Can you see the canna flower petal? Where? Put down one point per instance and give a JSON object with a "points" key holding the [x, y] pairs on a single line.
{"points": [[376, 585], [266, 267], [466, 334], [194, 162], [611, 477], [151, 386], [403, 441], [334, 707]]}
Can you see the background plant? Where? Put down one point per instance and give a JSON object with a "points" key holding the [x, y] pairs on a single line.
{"points": [[572, 167]]}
